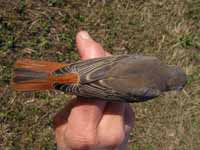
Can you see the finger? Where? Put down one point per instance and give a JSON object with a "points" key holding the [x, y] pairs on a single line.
{"points": [[111, 129], [83, 39], [88, 48], [87, 113], [60, 121], [61, 117]]}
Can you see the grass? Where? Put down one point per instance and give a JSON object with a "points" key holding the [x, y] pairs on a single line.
{"points": [[46, 30]]}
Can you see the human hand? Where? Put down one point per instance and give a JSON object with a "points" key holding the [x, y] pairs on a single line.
{"points": [[92, 124]]}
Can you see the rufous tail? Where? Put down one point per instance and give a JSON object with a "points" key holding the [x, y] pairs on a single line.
{"points": [[30, 75]]}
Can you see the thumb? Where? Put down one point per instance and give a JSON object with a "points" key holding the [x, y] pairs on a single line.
{"points": [[87, 47]]}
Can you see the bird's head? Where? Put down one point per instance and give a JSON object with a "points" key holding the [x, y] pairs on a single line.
{"points": [[177, 78]]}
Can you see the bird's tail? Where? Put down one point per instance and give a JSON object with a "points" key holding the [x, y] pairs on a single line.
{"points": [[30, 75]]}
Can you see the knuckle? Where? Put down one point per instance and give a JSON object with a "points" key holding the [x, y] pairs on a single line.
{"points": [[81, 140], [114, 138]]}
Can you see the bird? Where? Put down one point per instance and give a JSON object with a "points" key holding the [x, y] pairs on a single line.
{"points": [[121, 78]]}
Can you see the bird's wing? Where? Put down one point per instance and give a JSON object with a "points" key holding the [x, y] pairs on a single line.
{"points": [[130, 79], [95, 69]]}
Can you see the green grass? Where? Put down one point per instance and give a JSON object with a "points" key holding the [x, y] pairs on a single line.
{"points": [[46, 30]]}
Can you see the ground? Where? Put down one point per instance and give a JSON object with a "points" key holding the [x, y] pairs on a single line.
{"points": [[46, 30]]}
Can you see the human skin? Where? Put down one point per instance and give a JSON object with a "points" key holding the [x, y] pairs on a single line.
{"points": [[85, 124]]}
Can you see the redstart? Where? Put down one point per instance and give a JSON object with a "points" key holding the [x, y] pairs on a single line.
{"points": [[126, 78]]}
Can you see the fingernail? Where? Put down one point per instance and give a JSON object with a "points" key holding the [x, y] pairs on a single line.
{"points": [[84, 35]]}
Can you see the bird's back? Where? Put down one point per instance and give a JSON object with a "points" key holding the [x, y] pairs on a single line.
{"points": [[126, 77]]}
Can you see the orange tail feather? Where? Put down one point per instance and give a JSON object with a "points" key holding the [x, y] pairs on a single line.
{"points": [[36, 65], [32, 75]]}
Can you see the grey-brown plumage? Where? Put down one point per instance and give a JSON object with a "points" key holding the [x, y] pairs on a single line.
{"points": [[130, 78]]}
